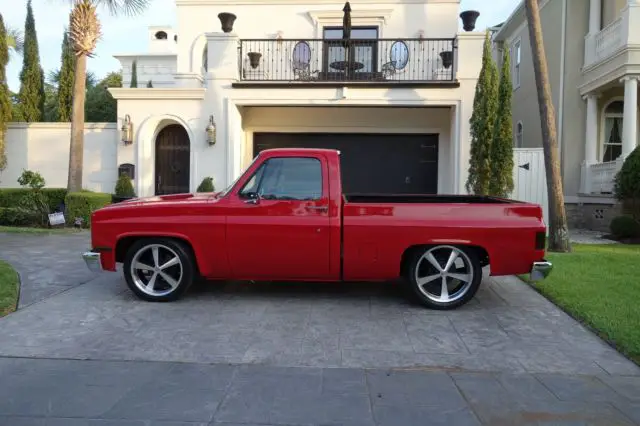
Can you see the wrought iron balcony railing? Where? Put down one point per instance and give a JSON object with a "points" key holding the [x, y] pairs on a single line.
{"points": [[355, 60]]}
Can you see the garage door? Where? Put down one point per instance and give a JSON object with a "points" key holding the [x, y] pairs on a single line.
{"points": [[371, 163]]}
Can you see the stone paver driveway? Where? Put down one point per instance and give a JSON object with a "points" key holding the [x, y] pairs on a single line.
{"points": [[290, 354]]}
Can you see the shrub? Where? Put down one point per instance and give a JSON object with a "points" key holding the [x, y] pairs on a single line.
{"points": [[625, 227], [627, 183], [81, 204], [10, 197], [34, 203], [124, 186], [10, 216], [206, 185]]}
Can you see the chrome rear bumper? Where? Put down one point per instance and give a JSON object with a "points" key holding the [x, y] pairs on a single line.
{"points": [[92, 260], [540, 270]]}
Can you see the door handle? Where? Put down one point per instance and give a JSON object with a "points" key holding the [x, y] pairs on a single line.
{"points": [[318, 208]]}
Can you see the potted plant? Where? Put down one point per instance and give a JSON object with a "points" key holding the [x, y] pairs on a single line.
{"points": [[226, 20], [447, 58], [124, 189], [254, 59], [206, 185], [469, 18]]}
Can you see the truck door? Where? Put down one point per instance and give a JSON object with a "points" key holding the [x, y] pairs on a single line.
{"points": [[279, 225]]}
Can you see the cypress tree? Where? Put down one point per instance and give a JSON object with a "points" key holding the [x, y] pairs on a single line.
{"points": [[501, 183], [65, 80], [134, 74], [31, 92], [5, 94], [485, 107]]}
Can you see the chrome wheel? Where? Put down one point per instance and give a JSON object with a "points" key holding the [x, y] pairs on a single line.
{"points": [[444, 274], [156, 270]]}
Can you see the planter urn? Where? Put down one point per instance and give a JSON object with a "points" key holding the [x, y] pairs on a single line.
{"points": [[226, 20], [469, 18], [254, 59], [447, 58]]}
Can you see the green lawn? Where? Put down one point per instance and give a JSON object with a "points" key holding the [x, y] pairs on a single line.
{"points": [[8, 289], [33, 230], [599, 285]]}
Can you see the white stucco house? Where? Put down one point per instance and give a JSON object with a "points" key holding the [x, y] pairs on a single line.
{"points": [[282, 77]]}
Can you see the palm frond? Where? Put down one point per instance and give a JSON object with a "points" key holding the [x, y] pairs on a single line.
{"points": [[126, 7], [15, 39]]}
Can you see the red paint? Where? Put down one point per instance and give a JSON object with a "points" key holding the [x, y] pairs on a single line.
{"points": [[322, 240]]}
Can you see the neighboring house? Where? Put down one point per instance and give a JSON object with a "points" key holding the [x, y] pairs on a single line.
{"points": [[593, 61], [396, 106]]}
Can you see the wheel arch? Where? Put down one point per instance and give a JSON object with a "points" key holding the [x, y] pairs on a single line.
{"points": [[481, 253], [124, 243]]}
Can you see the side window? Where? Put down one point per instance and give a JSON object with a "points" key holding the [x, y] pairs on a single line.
{"points": [[251, 187], [291, 178]]}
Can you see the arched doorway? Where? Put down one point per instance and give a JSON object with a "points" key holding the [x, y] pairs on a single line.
{"points": [[173, 158]]}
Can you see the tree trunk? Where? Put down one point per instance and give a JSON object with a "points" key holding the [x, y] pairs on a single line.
{"points": [[558, 228], [76, 150]]}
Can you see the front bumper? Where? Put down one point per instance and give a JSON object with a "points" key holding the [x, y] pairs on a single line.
{"points": [[541, 270], [92, 260]]}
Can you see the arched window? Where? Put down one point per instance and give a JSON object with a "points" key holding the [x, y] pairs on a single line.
{"points": [[519, 134], [205, 59], [612, 126], [161, 35]]}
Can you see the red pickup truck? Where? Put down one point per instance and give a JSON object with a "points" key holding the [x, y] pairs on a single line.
{"points": [[286, 219]]}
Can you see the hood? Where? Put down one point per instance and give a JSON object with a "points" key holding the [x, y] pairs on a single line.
{"points": [[186, 197]]}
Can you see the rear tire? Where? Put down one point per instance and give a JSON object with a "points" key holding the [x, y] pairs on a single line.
{"points": [[444, 277], [159, 269]]}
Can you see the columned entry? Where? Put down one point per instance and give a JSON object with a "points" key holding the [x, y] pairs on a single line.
{"points": [[173, 157]]}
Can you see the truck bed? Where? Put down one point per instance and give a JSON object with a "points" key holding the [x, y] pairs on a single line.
{"points": [[424, 199]]}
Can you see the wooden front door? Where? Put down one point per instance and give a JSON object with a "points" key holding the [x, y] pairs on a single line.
{"points": [[173, 158]]}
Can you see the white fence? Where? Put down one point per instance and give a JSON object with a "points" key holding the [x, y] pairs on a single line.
{"points": [[530, 179]]}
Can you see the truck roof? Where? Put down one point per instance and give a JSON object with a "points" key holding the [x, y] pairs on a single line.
{"points": [[300, 151]]}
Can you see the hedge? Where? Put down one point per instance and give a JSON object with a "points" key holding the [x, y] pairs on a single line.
{"points": [[82, 204], [10, 197], [10, 216]]}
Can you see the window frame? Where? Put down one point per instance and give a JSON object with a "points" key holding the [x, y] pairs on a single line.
{"points": [[516, 55], [602, 145], [265, 165]]}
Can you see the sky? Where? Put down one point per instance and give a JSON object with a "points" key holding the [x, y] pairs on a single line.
{"points": [[123, 34]]}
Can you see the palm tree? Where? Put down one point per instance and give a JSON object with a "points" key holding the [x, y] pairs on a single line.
{"points": [[53, 78], [558, 228], [84, 33], [15, 39]]}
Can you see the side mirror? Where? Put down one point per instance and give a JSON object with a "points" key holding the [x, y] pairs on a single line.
{"points": [[252, 198]]}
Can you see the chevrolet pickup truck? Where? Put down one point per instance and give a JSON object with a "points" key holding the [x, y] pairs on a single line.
{"points": [[286, 219]]}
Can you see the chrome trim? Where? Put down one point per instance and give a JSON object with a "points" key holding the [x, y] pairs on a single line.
{"points": [[92, 260], [541, 270]]}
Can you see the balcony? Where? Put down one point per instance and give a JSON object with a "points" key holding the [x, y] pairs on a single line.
{"points": [[356, 62], [615, 37], [598, 178]]}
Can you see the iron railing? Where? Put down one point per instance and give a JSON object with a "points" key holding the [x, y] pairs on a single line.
{"points": [[331, 60]]}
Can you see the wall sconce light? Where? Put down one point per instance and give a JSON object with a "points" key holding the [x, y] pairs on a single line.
{"points": [[420, 35], [279, 37], [211, 131], [126, 131]]}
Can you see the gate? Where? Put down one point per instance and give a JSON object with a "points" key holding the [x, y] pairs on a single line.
{"points": [[530, 179]]}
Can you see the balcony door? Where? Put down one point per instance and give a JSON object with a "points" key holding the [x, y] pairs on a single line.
{"points": [[357, 62]]}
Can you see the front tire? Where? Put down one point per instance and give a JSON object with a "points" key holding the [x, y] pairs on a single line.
{"points": [[444, 277], [158, 269]]}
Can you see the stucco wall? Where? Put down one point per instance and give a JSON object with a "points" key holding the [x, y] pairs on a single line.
{"points": [[159, 68], [611, 10], [44, 147]]}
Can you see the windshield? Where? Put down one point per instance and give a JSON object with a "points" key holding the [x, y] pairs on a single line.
{"points": [[225, 191]]}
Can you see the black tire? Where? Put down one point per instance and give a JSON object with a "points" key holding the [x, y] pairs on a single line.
{"points": [[166, 245], [468, 256]]}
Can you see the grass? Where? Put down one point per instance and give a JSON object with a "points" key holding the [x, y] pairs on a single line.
{"points": [[33, 230], [599, 285], [8, 289]]}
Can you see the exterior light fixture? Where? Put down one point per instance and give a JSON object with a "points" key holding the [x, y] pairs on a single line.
{"points": [[211, 131], [126, 131]]}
